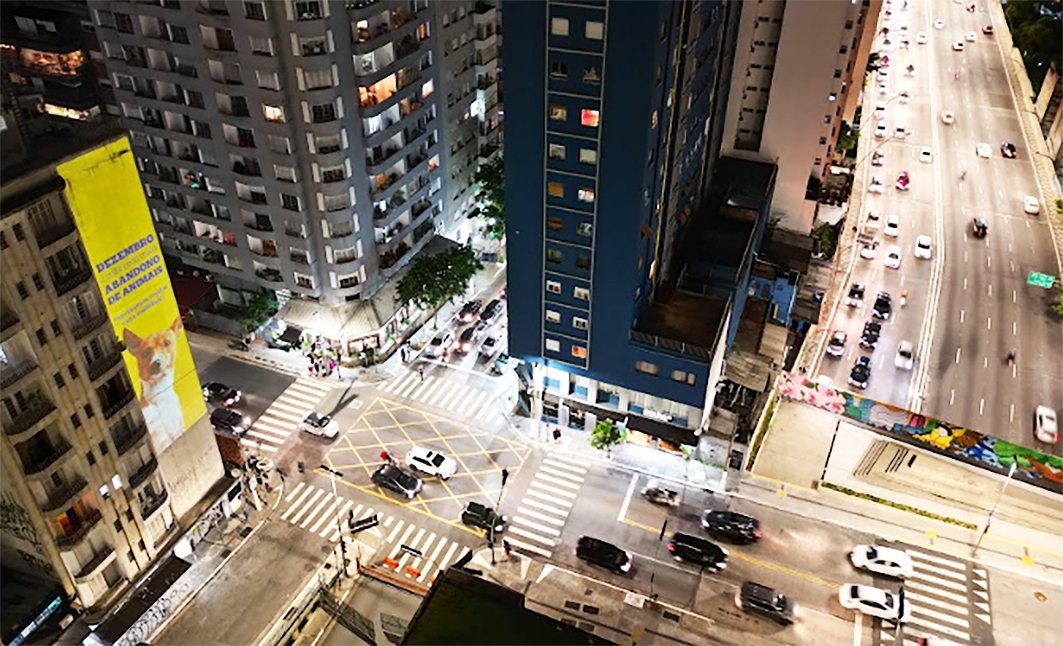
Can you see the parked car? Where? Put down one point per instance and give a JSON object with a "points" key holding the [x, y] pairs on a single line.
{"points": [[883, 306], [483, 517], [698, 551], [321, 425], [655, 491], [226, 419], [731, 525], [218, 393], [875, 602], [925, 155], [469, 311], [874, 221], [429, 462], [597, 552], [882, 560], [983, 150], [836, 345], [987, 30], [440, 345], [760, 599], [947, 117], [389, 476], [492, 311], [1045, 425]]}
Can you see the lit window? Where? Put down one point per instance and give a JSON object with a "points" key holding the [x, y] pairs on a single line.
{"points": [[559, 26], [588, 156], [555, 189], [592, 75], [553, 287], [653, 119], [553, 317], [428, 88], [579, 351], [273, 113], [116, 482], [646, 367], [553, 255], [582, 293], [589, 118], [584, 229], [558, 113], [683, 377], [554, 223], [553, 345], [557, 151], [586, 195], [595, 30], [583, 262], [578, 323], [558, 71]]}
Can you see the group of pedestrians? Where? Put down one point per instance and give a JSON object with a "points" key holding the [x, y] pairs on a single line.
{"points": [[324, 358]]}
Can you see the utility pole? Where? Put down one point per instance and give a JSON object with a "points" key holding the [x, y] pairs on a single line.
{"points": [[341, 556], [993, 510], [491, 529]]}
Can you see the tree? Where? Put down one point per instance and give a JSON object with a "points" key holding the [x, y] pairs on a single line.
{"points": [[846, 138], [433, 280], [1037, 30], [492, 180], [257, 309], [606, 435], [874, 62]]}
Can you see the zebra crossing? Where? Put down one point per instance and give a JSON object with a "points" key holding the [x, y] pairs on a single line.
{"points": [[282, 417], [949, 598], [536, 527], [319, 512], [458, 398]]}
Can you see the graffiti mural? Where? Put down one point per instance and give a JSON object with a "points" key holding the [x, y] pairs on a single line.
{"points": [[15, 520], [1032, 466]]}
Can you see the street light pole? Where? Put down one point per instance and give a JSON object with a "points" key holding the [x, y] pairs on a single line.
{"points": [[494, 520], [341, 556], [993, 509]]}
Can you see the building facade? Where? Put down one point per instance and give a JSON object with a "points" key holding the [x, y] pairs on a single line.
{"points": [[618, 119], [298, 146], [790, 92]]}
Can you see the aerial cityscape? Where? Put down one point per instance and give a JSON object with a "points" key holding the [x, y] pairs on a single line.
{"points": [[643, 322]]}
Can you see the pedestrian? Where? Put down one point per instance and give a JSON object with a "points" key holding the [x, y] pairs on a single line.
{"points": [[557, 435], [420, 372], [506, 546]]}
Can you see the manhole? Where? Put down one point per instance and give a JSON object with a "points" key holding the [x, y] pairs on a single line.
{"points": [[1040, 596]]}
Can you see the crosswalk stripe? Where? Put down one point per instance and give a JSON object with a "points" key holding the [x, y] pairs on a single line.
{"points": [[471, 403], [312, 386], [534, 525], [955, 585], [272, 426], [405, 536], [282, 415], [521, 545], [924, 556], [940, 628], [445, 387], [536, 485], [336, 532], [427, 545], [299, 399], [329, 513], [391, 384], [267, 431], [549, 498], [317, 494], [262, 436], [541, 516], [561, 474], [568, 485], [533, 536], [486, 412], [960, 576], [440, 563], [387, 521], [455, 395], [566, 458], [563, 465], [294, 491], [279, 422], [298, 502], [940, 616], [313, 514], [915, 585], [257, 445], [424, 387], [300, 411], [408, 385], [395, 530], [923, 599]]}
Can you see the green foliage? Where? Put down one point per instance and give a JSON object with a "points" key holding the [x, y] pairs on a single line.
{"points": [[257, 309], [874, 62], [826, 236], [895, 505], [1056, 299], [846, 139], [492, 180], [433, 280], [1037, 30], [606, 435]]}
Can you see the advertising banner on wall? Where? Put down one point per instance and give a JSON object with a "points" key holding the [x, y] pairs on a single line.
{"points": [[108, 203]]}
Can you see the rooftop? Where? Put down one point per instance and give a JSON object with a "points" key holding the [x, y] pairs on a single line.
{"points": [[53, 148], [683, 322]]}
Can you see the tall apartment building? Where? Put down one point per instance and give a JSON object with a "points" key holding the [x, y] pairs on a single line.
{"points": [[612, 139], [90, 492], [799, 68], [302, 146]]}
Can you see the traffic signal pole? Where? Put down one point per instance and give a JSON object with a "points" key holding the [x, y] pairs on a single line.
{"points": [[341, 556]]}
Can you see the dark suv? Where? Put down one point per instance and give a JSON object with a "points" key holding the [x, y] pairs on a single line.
{"points": [[482, 516], [762, 600], [698, 551], [731, 525], [469, 311], [491, 311], [598, 552], [883, 306], [391, 477]]}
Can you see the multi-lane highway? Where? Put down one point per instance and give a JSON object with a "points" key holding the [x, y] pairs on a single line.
{"points": [[969, 304]]}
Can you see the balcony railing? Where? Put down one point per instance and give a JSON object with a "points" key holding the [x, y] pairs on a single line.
{"points": [[143, 473], [75, 536], [63, 497], [89, 569], [129, 438], [88, 324], [38, 410], [100, 366], [113, 407], [270, 274], [40, 463], [53, 233], [153, 505], [12, 374], [71, 279]]}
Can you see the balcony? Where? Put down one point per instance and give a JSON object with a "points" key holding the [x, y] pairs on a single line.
{"points": [[143, 473], [101, 366], [39, 464], [389, 258], [270, 274], [88, 324], [72, 278], [248, 169], [113, 407], [129, 438], [38, 409], [12, 374], [300, 258], [54, 233], [64, 497], [96, 564], [253, 198], [74, 536], [148, 508]]}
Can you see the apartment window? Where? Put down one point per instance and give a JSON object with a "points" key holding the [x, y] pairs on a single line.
{"points": [[558, 113], [579, 352], [553, 287], [682, 377], [843, 49], [837, 74], [273, 113], [582, 293], [268, 80], [553, 255], [59, 381], [822, 140], [72, 369], [584, 229], [333, 174], [303, 280], [308, 10], [554, 223], [38, 282], [284, 173], [254, 10], [318, 79], [90, 458], [592, 75], [42, 338], [557, 151], [89, 413], [56, 330], [337, 202], [323, 113], [583, 262], [579, 323], [3, 240], [555, 189], [75, 420], [553, 345], [586, 195], [20, 234], [559, 26], [589, 118], [588, 156], [290, 202], [594, 30], [103, 448], [22, 291], [553, 317], [647, 368], [313, 46], [280, 145], [558, 71], [123, 22]]}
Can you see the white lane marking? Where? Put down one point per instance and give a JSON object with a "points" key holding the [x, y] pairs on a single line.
{"points": [[395, 531], [401, 542], [520, 520], [335, 530], [990, 290], [1011, 415], [454, 395], [940, 616], [981, 406], [543, 517], [858, 628], [958, 598], [627, 497], [295, 505], [446, 387], [561, 465], [435, 383], [564, 475], [317, 494], [561, 492], [963, 313], [989, 323], [566, 458], [541, 505], [312, 515], [533, 536], [952, 393], [294, 491], [957, 355], [521, 545], [472, 403], [931, 558]]}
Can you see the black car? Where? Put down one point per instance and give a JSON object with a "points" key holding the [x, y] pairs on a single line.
{"points": [[760, 599], [597, 552], [698, 551], [883, 306], [227, 419], [466, 339], [469, 311], [216, 393], [482, 516], [1008, 150], [861, 373], [731, 525], [872, 331], [979, 228], [491, 312], [392, 477], [856, 295]]}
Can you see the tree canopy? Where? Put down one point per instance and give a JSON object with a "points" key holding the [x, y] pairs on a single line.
{"points": [[606, 435], [1037, 30], [432, 280], [492, 179]]}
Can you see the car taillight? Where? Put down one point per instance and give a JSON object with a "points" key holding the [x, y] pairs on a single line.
{"points": [[671, 547], [756, 534], [738, 598]]}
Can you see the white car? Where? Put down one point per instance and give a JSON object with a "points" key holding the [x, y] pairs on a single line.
{"points": [[430, 462], [440, 345], [901, 132], [875, 602], [947, 118], [882, 560], [836, 345], [921, 38], [940, 24], [883, 89], [922, 247], [490, 347], [958, 46], [971, 36], [1046, 428], [881, 130], [1031, 205], [868, 250], [873, 221], [925, 155], [322, 425], [893, 226], [984, 150], [893, 257], [904, 360], [876, 186]]}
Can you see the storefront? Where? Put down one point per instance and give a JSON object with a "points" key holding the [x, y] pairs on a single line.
{"points": [[642, 429]]}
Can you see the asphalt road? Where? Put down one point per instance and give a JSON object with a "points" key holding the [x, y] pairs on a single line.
{"points": [[970, 304]]}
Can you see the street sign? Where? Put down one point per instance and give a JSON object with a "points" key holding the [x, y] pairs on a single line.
{"points": [[363, 524], [411, 551], [1041, 280]]}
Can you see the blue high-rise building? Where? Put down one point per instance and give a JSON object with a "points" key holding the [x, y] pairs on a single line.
{"points": [[615, 111]]}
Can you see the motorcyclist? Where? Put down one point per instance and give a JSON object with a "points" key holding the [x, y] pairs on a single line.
{"points": [[904, 297], [963, 175], [1011, 357]]}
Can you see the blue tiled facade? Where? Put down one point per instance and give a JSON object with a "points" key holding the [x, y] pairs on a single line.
{"points": [[614, 115]]}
